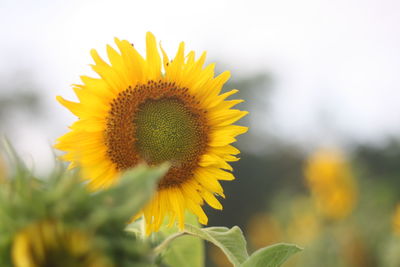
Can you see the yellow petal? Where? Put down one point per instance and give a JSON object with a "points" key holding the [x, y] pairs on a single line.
{"points": [[226, 117], [223, 136], [211, 200], [218, 174], [152, 57], [97, 87], [75, 108], [214, 160], [134, 62], [225, 150], [196, 209], [174, 70], [165, 58], [214, 88], [210, 183]]}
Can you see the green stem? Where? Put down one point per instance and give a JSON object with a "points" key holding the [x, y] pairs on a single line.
{"points": [[166, 242]]}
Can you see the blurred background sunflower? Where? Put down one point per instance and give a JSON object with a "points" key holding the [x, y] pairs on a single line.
{"points": [[314, 74], [47, 243]]}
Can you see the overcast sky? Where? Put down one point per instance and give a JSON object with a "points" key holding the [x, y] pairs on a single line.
{"points": [[337, 58]]}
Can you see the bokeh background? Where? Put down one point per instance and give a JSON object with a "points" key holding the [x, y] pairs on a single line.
{"points": [[320, 164]]}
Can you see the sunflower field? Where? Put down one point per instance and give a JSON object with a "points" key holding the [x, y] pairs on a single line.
{"points": [[199, 133]]}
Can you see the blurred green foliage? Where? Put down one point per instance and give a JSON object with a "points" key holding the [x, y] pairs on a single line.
{"points": [[59, 222]]}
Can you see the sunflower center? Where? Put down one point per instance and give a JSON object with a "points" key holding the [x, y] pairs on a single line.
{"points": [[166, 131], [154, 123]]}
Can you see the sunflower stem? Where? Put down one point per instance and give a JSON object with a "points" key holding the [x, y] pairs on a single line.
{"points": [[167, 241]]}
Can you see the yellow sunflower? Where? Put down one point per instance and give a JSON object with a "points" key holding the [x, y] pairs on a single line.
{"points": [[331, 183], [396, 220], [151, 110], [48, 243]]}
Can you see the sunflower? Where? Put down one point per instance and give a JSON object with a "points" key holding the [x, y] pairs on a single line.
{"points": [[152, 110], [332, 183], [48, 243], [396, 220]]}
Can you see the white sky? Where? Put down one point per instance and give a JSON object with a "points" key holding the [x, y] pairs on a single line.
{"points": [[340, 57]]}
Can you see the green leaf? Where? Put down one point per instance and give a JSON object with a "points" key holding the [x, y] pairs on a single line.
{"points": [[230, 241], [186, 250], [272, 256]]}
